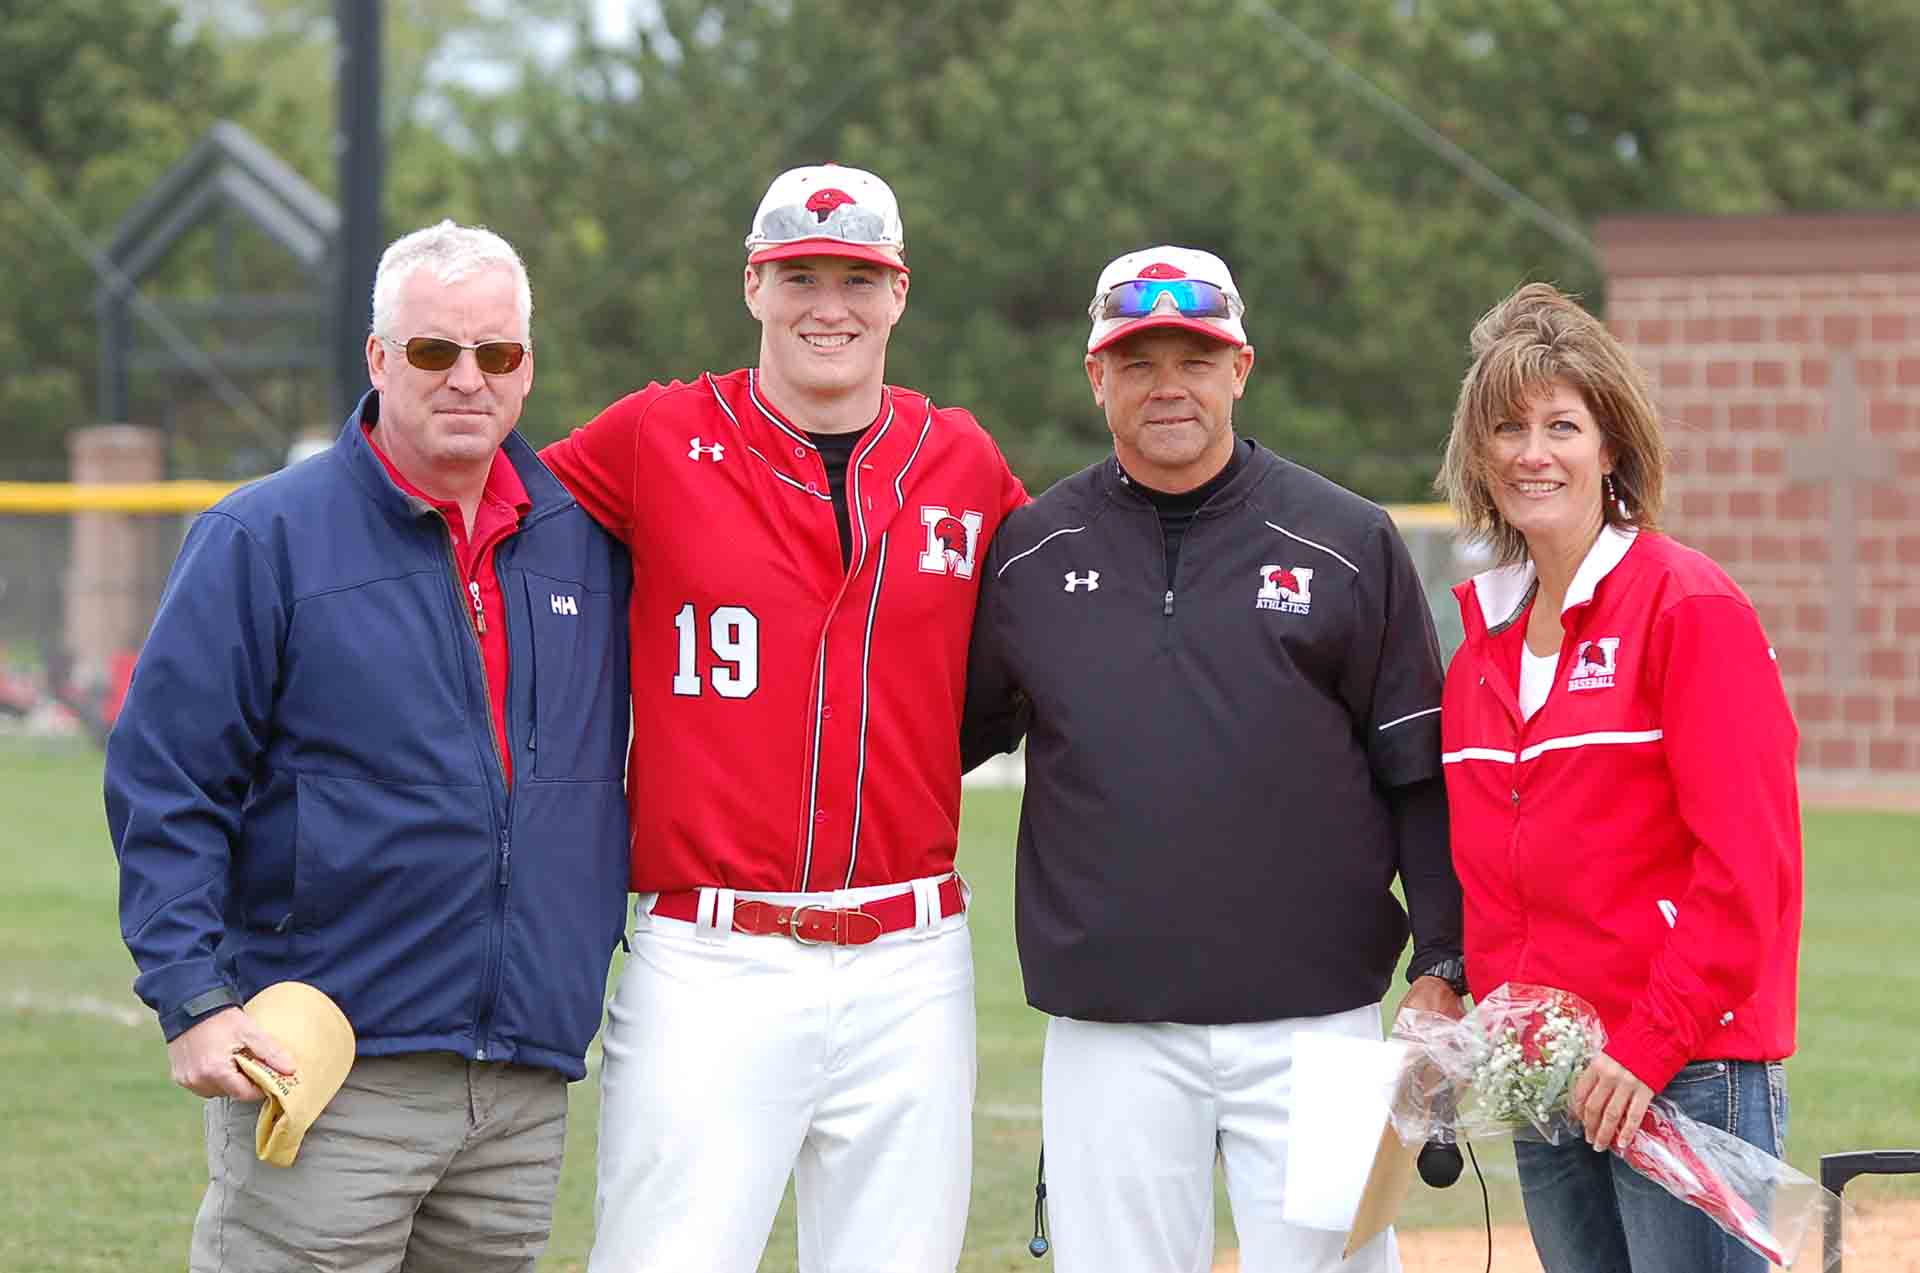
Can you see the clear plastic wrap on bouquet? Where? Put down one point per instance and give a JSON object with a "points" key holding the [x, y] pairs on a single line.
{"points": [[1509, 1067], [1748, 1192]]}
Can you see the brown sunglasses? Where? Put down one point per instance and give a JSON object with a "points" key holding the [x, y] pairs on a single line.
{"points": [[432, 353]]}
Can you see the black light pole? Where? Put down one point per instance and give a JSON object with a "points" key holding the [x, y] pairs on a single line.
{"points": [[362, 165]]}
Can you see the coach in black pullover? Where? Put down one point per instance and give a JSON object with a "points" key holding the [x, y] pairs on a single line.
{"points": [[1227, 675]]}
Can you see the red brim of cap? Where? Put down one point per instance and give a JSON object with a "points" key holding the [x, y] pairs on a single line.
{"points": [[1201, 325], [828, 247]]}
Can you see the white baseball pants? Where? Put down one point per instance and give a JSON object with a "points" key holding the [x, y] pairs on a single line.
{"points": [[1133, 1115], [733, 1061]]}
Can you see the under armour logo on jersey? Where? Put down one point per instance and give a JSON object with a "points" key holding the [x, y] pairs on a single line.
{"points": [[564, 605], [1287, 589], [1089, 582], [951, 540], [1594, 664], [716, 452]]}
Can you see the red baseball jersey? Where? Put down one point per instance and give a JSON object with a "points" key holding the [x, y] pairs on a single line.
{"points": [[796, 721]]}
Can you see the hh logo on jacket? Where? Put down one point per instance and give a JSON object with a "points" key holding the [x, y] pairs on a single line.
{"points": [[951, 540], [1594, 664], [1286, 589]]}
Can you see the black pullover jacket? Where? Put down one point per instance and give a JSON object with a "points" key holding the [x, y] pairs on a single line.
{"points": [[1225, 769]]}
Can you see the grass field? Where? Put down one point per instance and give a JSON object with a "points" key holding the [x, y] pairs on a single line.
{"points": [[101, 1161]]}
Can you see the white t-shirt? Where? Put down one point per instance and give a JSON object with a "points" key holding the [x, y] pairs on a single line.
{"points": [[1536, 678]]}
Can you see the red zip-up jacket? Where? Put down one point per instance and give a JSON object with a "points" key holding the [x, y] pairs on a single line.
{"points": [[796, 721], [1638, 841]]}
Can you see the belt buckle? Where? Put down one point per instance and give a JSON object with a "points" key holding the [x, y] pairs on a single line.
{"points": [[793, 924]]}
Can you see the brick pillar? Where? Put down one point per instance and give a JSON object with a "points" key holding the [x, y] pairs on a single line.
{"points": [[1785, 356], [110, 586]]}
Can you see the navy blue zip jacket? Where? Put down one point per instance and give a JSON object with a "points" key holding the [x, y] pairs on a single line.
{"points": [[304, 782]]}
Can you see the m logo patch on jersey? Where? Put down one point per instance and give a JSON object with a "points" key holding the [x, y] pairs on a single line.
{"points": [[714, 451], [1594, 664], [1089, 582], [951, 540], [1288, 589]]}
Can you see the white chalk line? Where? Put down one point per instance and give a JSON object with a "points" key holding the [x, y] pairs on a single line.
{"points": [[28, 1001]]}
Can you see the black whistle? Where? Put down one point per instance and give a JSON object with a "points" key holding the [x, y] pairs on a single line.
{"points": [[1039, 1247]]}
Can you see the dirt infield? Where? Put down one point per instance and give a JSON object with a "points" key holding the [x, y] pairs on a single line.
{"points": [[1882, 1237], [1886, 795]]}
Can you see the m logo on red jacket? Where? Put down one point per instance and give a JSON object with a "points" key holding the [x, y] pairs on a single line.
{"points": [[1594, 664]]}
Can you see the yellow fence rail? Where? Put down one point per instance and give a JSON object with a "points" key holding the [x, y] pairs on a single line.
{"points": [[1421, 516], [19, 498], [111, 497]]}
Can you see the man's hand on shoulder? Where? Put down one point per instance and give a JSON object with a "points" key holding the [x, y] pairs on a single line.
{"points": [[202, 1057]]}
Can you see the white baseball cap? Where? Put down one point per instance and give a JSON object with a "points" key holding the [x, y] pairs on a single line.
{"points": [[828, 210], [1166, 287]]}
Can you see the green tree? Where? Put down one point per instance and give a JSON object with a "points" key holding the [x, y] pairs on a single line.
{"points": [[1030, 143], [97, 98], [1320, 146], [444, 65], [628, 182], [1359, 253]]}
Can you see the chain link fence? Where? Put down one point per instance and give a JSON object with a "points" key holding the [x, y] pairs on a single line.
{"points": [[77, 594]]}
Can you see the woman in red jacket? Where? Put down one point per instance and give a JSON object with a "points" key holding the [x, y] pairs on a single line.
{"points": [[1619, 757]]}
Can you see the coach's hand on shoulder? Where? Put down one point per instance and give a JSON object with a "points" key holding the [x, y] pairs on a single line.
{"points": [[202, 1057]]}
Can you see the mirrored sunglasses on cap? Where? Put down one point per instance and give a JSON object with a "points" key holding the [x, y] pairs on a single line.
{"points": [[433, 353], [1140, 297], [849, 223]]}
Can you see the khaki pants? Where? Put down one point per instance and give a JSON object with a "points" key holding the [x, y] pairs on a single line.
{"points": [[421, 1164]]}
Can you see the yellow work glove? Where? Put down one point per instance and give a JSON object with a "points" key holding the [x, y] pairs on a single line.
{"points": [[321, 1039]]}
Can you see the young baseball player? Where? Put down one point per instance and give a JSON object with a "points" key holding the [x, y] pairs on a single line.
{"points": [[799, 1000], [1194, 893]]}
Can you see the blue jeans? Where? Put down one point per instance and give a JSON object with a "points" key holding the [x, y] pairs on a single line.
{"points": [[1591, 1213]]}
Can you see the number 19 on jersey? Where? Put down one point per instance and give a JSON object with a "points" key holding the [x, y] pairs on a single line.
{"points": [[733, 640]]}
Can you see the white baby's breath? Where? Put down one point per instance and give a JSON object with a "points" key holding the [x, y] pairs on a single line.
{"points": [[1525, 1066]]}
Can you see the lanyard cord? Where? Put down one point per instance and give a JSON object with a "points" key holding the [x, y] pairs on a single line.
{"points": [[1486, 1205], [1039, 1246]]}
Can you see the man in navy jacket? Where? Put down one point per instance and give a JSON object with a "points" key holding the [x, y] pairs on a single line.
{"points": [[375, 743]]}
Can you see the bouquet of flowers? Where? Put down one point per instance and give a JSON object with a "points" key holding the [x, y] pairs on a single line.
{"points": [[1510, 1067]]}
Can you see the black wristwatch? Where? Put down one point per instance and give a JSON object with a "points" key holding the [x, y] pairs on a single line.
{"points": [[1453, 971]]}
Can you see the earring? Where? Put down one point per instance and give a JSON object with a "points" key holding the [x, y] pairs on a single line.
{"points": [[1613, 497]]}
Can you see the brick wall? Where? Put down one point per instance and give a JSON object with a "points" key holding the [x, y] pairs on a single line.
{"points": [[1785, 356]]}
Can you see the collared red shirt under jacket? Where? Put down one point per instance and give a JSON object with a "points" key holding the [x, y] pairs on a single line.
{"points": [[503, 503], [796, 721], [1636, 842], [1206, 835]]}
